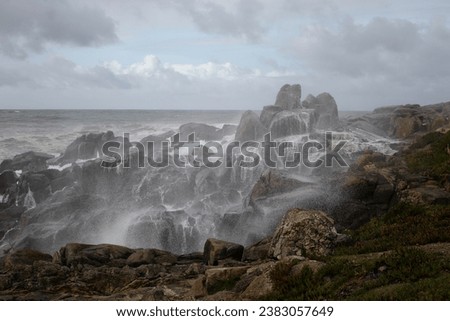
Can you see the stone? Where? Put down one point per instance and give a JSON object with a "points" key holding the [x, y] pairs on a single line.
{"points": [[215, 250], [312, 264], [7, 179], [97, 255], [287, 123], [202, 131], [259, 287], [24, 257], [29, 161], [303, 233], [268, 113], [258, 251], [150, 256], [289, 97], [273, 182], [326, 111], [250, 128], [218, 279]]}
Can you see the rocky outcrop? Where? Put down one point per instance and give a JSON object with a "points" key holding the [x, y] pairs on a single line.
{"points": [[250, 128], [268, 113], [289, 97], [325, 110], [303, 233], [7, 179], [87, 146], [29, 161]]}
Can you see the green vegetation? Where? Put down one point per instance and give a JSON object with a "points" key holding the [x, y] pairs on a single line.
{"points": [[405, 274], [403, 225], [429, 155]]}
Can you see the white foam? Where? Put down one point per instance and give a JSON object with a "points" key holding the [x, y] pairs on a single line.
{"points": [[60, 168]]}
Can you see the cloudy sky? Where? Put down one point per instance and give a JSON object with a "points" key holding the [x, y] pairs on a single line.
{"points": [[212, 54]]}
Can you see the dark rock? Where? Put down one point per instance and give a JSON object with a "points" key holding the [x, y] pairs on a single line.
{"points": [[258, 251], [150, 256], [96, 255], [216, 250], [24, 257], [29, 161], [7, 179]]}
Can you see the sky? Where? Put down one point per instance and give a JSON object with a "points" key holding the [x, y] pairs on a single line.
{"points": [[209, 54]]}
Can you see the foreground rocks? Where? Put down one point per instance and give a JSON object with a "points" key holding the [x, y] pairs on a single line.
{"points": [[112, 272]]}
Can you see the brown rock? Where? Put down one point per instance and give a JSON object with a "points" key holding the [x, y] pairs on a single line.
{"points": [[303, 233], [216, 250], [150, 256]]}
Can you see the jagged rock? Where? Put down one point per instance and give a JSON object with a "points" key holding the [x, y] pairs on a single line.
{"points": [[259, 287], [289, 97], [287, 123], [150, 256], [38, 184], [303, 233], [96, 255], [29, 161], [250, 128], [216, 250]]}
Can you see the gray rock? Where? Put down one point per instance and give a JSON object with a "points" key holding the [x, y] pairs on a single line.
{"points": [[268, 113], [250, 128], [289, 97], [287, 123]]}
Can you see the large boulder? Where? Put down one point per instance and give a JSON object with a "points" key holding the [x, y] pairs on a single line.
{"points": [[250, 128], [303, 233], [325, 110], [215, 250], [87, 146], [287, 123], [29, 161], [289, 97], [95, 255]]}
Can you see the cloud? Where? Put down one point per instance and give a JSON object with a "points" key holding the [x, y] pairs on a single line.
{"points": [[30, 26]]}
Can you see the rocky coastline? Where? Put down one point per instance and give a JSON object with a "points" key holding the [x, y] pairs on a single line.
{"points": [[335, 233]]}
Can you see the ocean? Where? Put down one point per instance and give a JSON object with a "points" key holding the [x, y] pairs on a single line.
{"points": [[51, 131]]}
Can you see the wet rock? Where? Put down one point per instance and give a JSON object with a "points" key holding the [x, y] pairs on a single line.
{"points": [[303, 233], [287, 123], [215, 250], [202, 131], [272, 182], [29, 161], [250, 128], [289, 97], [268, 113], [325, 108]]}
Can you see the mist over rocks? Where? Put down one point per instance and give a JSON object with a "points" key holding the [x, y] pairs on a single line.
{"points": [[289, 97]]}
